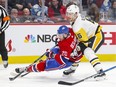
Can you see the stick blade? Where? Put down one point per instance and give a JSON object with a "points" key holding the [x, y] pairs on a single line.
{"points": [[11, 79], [65, 83]]}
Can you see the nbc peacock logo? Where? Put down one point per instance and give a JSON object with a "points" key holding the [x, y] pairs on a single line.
{"points": [[29, 38]]}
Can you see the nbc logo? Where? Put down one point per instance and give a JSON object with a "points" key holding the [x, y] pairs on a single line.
{"points": [[29, 38]]}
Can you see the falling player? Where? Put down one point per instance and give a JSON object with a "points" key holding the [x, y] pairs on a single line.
{"points": [[61, 56]]}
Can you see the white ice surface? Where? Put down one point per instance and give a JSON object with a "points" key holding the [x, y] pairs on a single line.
{"points": [[51, 78]]}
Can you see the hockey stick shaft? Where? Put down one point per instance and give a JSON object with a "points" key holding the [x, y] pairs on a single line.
{"points": [[13, 78], [24, 74], [73, 83]]}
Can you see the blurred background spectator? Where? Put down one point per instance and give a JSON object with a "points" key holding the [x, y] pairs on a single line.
{"points": [[40, 13], [36, 11], [98, 3], [17, 4], [104, 11], [31, 3], [26, 17], [2, 2], [78, 2], [47, 3], [14, 16], [56, 11], [112, 11], [84, 4], [53, 11], [93, 12]]}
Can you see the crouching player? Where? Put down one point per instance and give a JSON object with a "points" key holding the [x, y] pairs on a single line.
{"points": [[61, 56], [90, 36]]}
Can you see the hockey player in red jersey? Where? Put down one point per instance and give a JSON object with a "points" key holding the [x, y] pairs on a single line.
{"points": [[59, 57]]}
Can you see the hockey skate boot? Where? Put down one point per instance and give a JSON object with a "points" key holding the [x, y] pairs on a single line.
{"points": [[5, 64], [68, 72], [100, 76], [72, 69], [19, 70]]}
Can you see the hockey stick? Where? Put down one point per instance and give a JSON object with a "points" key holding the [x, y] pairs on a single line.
{"points": [[13, 78], [73, 83], [24, 74], [53, 47]]}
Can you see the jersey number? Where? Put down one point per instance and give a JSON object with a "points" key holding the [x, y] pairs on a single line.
{"points": [[79, 35]]}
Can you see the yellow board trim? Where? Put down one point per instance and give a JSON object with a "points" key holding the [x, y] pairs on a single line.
{"points": [[103, 58], [31, 59]]}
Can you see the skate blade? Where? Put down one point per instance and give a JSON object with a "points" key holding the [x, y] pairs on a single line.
{"points": [[100, 78], [67, 76]]}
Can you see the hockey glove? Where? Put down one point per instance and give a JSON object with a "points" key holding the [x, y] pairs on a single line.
{"points": [[49, 54]]}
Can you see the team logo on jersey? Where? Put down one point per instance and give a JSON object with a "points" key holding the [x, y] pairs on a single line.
{"points": [[30, 38]]}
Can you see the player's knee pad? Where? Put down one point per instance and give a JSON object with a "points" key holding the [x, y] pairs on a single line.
{"points": [[89, 53]]}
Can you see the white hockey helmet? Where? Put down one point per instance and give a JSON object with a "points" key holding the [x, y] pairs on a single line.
{"points": [[72, 9], [72, 12]]}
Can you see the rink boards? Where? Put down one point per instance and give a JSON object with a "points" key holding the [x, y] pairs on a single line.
{"points": [[25, 43]]}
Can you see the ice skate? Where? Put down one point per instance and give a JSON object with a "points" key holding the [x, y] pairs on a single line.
{"points": [[19, 70], [68, 72], [100, 76], [71, 70], [5, 64]]}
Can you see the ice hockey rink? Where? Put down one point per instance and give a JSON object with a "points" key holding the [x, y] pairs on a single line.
{"points": [[51, 78]]}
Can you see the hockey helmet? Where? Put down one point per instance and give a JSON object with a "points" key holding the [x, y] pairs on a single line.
{"points": [[72, 9], [63, 30]]}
